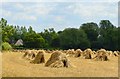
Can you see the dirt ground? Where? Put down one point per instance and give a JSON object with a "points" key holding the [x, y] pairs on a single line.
{"points": [[13, 65]]}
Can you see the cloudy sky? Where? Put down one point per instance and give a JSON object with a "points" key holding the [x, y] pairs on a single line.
{"points": [[58, 14]]}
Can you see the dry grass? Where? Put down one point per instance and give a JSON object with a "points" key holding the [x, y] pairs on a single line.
{"points": [[14, 66]]}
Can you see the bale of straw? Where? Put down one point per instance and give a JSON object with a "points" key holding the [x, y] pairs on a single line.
{"points": [[70, 52], [57, 59], [39, 58], [78, 53], [87, 53], [116, 53], [26, 54], [101, 55]]}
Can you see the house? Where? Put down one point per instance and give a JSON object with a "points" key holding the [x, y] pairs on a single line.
{"points": [[19, 42]]}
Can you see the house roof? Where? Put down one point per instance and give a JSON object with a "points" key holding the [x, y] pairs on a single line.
{"points": [[19, 42]]}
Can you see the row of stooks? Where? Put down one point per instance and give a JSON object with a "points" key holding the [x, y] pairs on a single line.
{"points": [[59, 57]]}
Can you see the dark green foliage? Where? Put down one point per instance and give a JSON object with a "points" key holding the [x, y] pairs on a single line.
{"points": [[33, 40], [0, 38], [51, 38], [109, 35], [92, 31], [106, 35], [73, 38], [118, 42]]}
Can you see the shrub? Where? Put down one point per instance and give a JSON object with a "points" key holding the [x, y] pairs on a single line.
{"points": [[6, 46]]}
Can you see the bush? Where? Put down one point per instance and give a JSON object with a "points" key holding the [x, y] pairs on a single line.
{"points": [[6, 46]]}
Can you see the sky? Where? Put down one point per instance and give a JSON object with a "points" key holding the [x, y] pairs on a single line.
{"points": [[59, 14]]}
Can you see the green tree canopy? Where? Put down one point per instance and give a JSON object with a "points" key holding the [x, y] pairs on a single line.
{"points": [[73, 38], [33, 40], [92, 31]]}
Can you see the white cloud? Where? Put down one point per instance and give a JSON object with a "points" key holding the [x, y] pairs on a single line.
{"points": [[26, 11], [54, 15], [0, 10], [38, 9], [92, 11], [58, 0], [59, 18], [95, 9], [6, 13], [23, 17], [34, 8], [17, 16], [19, 5]]}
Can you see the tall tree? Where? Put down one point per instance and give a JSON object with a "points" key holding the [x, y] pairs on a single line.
{"points": [[118, 42], [3, 23], [109, 34], [33, 40], [30, 30], [51, 37], [73, 38], [104, 25], [92, 31]]}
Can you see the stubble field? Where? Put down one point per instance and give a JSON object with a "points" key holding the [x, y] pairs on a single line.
{"points": [[13, 65]]}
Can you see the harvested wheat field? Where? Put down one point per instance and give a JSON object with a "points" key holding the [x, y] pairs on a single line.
{"points": [[13, 65]]}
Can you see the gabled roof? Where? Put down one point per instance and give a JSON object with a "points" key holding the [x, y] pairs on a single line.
{"points": [[19, 42]]}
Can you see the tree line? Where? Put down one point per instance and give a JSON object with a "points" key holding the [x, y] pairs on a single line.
{"points": [[88, 35]]}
